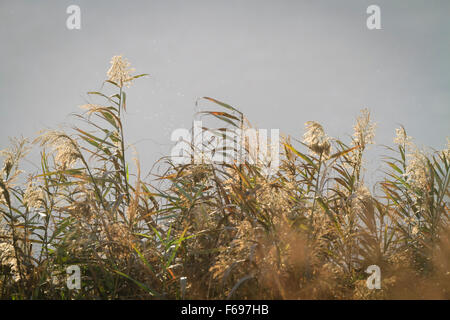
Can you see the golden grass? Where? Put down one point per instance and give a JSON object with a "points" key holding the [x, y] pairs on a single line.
{"points": [[308, 232]]}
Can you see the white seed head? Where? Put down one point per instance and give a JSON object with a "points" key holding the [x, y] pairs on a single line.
{"points": [[66, 151], [316, 139], [33, 197], [364, 129], [7, 259], [401, 138], [447, 150], [417, 170], [120, 71]]}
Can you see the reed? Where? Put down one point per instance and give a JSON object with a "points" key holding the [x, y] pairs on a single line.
{"points": [[220, 231]]}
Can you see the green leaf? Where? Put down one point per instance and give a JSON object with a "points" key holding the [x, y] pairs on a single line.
{"points": [[393, 166], [138, 76], [140, 284], [301, 155], [103, 95], [227, 106]]}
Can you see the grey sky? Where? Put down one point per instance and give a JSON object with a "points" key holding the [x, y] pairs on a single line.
{"points": [[281, 62]]}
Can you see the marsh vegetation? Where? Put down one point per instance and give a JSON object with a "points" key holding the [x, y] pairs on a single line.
{"points": [[218, 231]]}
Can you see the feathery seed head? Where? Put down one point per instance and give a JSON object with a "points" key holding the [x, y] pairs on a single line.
{"points": [[316, 139], [33, 197], [401, 138], [7, 259], [120, 71], [360, 198], [66, 151], [364, 129], [417, 170], [447, 150], [7, 163], [2, 197]]}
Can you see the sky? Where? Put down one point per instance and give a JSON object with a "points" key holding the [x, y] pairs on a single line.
{"points": [[281, 62]]}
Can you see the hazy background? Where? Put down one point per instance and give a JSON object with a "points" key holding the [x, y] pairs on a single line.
{"points": [[281, 62]]}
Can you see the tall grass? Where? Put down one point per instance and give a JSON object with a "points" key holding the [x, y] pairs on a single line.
{"points": [[220, 231]]}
